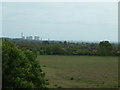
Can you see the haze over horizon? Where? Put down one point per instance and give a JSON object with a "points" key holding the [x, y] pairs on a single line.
{"points": [[61, 21]]}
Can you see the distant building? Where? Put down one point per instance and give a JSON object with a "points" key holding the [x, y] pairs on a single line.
{"points": [[36, 38], [22, 36], [29, 37]]}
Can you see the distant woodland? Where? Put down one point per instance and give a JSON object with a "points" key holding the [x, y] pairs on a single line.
{"points": [[103, 48]]}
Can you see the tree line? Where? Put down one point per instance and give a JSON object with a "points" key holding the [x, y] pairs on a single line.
{"points": [[104, 48]]}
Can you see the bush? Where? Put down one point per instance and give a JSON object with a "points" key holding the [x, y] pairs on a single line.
{"points": [[20, 69], [71, 78]]}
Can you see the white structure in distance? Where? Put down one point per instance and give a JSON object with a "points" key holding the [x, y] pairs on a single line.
{"points": [[29, 37]]}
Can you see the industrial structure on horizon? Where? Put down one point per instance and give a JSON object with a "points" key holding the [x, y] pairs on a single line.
{"points": [[29, 37]]}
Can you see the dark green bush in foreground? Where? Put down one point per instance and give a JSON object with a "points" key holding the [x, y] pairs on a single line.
{"points": [[20, 69]]}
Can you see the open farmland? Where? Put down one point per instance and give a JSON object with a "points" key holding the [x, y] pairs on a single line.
{"points": [[80, 71]]}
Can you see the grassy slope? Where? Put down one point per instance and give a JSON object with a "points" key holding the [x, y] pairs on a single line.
{"points": [[87, 71]]}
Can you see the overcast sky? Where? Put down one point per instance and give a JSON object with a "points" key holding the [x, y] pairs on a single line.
{"points": [[62, 21]]}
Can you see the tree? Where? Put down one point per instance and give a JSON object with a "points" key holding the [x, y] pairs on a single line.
{"points": [[20, 69], [105, 48]]}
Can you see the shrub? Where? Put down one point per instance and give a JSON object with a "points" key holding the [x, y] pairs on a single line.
{"points": [[71, 78], [20, 69]]}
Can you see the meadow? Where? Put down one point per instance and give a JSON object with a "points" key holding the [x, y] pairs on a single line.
{"points": [[80, 71]]}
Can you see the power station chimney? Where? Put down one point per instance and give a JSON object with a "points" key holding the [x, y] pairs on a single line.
{"points": [[22, 36]]}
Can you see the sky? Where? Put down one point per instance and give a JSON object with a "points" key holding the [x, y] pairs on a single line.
{"points": [[75, 21]]}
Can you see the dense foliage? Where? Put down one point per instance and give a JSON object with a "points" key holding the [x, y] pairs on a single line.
{"points": [[103, 48], [20, 69]]}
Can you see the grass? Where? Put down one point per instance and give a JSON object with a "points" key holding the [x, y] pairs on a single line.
{"points": [[80, 71]]}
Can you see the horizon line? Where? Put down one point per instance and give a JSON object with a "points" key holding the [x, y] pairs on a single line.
{"points": [[48, 39]]}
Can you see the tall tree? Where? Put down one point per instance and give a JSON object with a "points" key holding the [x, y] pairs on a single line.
{"points": [[105, 48]]}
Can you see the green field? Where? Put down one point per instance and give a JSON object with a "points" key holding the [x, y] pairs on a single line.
{"points": [[80, 71]]}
